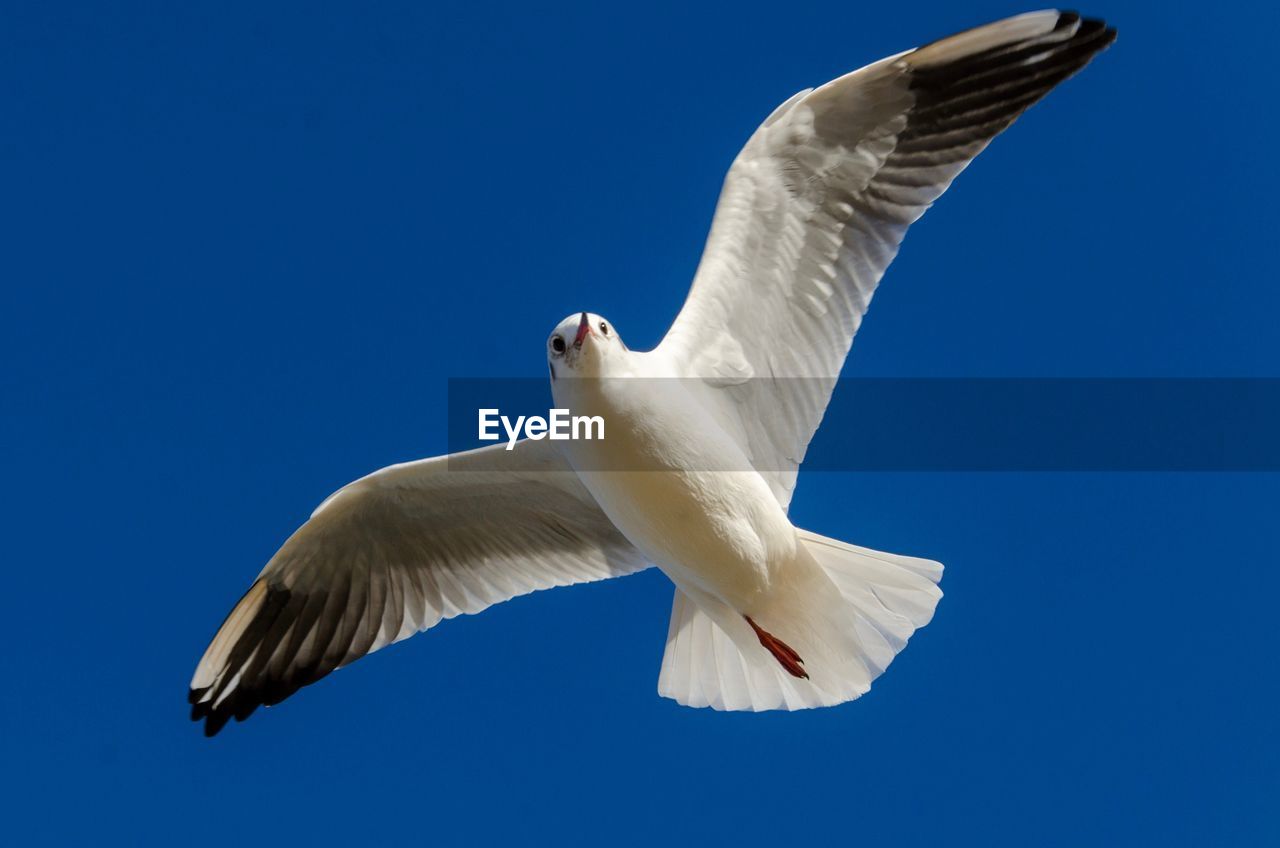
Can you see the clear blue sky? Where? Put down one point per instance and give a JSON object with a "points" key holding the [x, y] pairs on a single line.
{"points": [[243, 249]]}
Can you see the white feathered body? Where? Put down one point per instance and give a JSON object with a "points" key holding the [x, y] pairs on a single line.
{"points": [[678, 487]]}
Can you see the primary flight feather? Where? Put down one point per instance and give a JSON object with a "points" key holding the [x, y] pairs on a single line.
{"points": [[706, 432]]}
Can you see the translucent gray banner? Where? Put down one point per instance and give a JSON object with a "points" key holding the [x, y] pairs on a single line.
{"points": [[1079, 424]]}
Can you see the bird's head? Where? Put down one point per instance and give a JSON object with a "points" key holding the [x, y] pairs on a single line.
{"points": [[581, 345]]}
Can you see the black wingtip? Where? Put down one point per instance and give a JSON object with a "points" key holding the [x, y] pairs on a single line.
{"points": [[1088, 27], [282, 647], [1066, 18], [214, 723]]}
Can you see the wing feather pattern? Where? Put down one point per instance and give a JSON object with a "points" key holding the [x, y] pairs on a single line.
{"points": [[394, 553], [815, 206]]}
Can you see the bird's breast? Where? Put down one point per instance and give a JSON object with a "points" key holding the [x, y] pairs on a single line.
{"points": [[680, 489]]}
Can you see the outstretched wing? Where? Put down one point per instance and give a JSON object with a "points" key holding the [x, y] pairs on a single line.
{"points": [[393, 553], [816, 204]]}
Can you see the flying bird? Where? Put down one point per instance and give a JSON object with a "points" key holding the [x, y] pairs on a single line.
{"points": [[697, 469]]}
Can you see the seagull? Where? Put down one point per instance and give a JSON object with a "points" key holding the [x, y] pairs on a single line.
{"points": [[706, 432]]}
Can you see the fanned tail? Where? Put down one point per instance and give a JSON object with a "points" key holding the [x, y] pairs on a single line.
{"points": [[846, 620]]}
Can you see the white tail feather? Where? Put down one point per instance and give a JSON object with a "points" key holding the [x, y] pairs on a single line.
{"points": [[847, 637]]}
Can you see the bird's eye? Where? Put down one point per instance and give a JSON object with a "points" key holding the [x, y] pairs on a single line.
{"points": [[557, 344], [604, 328]]}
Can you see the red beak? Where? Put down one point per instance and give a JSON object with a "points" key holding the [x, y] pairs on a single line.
{"points": [[584, 327]]}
